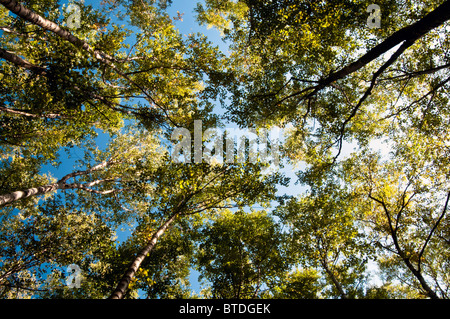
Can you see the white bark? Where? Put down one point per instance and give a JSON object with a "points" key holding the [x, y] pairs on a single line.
{"points": [[62, 184], [17, 195]]}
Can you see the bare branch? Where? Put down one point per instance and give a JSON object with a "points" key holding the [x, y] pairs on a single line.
{"points": [[432, 231], [368, 91]]}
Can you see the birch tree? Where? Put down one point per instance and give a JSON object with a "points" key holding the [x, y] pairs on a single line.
{"points": [[122, 160]]}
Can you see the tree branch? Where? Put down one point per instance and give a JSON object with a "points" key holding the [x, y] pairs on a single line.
{"points": [[368, 91], [17, 60], [51, 26], [416, 272], [432, 231], [410, 34], [22, 113]]}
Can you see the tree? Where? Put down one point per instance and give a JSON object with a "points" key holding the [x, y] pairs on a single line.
{"points": [[316, 69], [45, 103], [195, 189], [392, 89], [99, 83], [118, 170], [99, 199], [407, 211], [299, 284], [325, 237], [37, 246], [277, 79], [241, 255]]}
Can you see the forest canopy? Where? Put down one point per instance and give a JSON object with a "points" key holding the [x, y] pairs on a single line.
{"points": [[123, 173]]}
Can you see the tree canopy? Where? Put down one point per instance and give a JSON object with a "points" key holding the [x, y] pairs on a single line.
{"points": [[93, 96]]}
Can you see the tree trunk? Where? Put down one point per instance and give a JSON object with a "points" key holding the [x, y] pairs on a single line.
{"points": [[333, 278], [41, 190], [36, 19], [61, 184], [393, 233], [48, 25], [17, 195], [17, 60], [430, 292], [122, 286]]}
